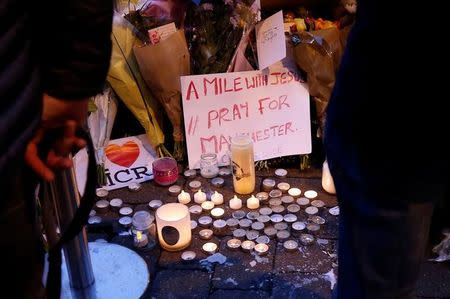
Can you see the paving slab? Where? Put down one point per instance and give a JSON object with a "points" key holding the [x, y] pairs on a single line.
{"points": [[230, 294], [301, 285], [434, 280], [181, 284]]}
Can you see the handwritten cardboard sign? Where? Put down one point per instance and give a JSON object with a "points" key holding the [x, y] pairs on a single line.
{"points": [[127, 160], [270, 40], [271, 107]]}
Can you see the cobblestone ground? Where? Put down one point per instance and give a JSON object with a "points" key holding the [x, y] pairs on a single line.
{"points": [[306, 272]]}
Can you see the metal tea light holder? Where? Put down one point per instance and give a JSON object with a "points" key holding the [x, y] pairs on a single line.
{"points": [[94, 270]]}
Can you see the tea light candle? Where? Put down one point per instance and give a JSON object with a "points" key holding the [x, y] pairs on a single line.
{"points": [[252, 215], [313, 228], [217, 182], [317, 203], [284, 187], [293, 208], [290, 218], [273, 202], [261, 248], [190, 173], [247, 245], [219, 227], [102, 206], [239, 214], [262, 240], [174, 190], [306, 239], [334, 211], [310, 194], [234, 244], [317, 220], [287, 199], [251, 235], [207, 206], [275, 193], [217, 198], [239, 233], [205, 221], [125, 211], [209, 248], [217, 213], [195, 185], [194, 224], [262, 196], [224, 172], [303, 201], [245, 223], [294, 192], [258, 226], [290, 245], [134, 187], [280, 172], [187, 256], [205, 234], [280, 226], [154, 204], [268, 184], [278, 209], [276, 218], [235, 203], [200, 196], [297, 228], [253, 203], [140, 240], [195, 209], [184, 197], [125, 221], [265, 211], [92, 213], [270, 231], [283, 235], [232, 223], [101, 192], [263, 219], [116, 204], [311, 210], [94, 220]]}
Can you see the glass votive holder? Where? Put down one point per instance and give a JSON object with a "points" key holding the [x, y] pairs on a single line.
{"points": [[174, 226], [209, 166], [142, 221], [165, 171]]}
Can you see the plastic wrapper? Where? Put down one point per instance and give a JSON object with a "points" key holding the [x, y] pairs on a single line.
{"points": [[161, 66], [318, 54], [126, 80], [443, 249], [100, 123]]}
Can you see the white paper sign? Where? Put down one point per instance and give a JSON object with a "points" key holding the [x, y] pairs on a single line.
{"points": [[270, 40], [161, 33], [273, 108], [127, 160]]}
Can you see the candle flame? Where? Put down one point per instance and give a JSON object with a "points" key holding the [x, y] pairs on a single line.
{"points": [[138, 235]]}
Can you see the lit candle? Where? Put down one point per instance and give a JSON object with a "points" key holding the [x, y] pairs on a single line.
{"points": [[209, 248], [294, 192], [261, 248], [217, 213], [184, 197], [140, 240], [234, 243], [173, 223], [217, 198], [247, 245], [253, 203], [205, 234], [235, 203], [200, 196], [207, 206]]}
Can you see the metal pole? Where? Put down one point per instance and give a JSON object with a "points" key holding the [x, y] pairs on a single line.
{"points": [[76, 252]]}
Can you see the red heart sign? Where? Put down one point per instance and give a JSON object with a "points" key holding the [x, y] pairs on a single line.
{"points": [[124, 155]]}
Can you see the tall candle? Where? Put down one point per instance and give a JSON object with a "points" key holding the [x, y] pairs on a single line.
{"points": [[199, 196], [253, 203], [184, 197], [235, 203], [217, 198], [242, 159]]}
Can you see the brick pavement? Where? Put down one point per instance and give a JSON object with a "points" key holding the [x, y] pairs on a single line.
{"points": [[304, 273]]}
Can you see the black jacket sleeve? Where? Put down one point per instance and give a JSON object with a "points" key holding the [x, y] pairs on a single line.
{"points": [[76, 47]]}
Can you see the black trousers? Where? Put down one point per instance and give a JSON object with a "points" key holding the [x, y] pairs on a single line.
{"points": [[22, 250], [382, 241]]}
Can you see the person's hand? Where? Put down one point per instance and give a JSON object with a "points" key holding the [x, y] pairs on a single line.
{"points": [[60, 120]]}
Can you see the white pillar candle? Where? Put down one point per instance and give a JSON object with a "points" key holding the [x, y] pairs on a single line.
{"points": [[253, 203], [235, 203], [217, 198], [184, 197], [199, 196]]}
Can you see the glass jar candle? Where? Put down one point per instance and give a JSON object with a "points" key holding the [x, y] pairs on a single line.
{"points": [[165, 171], [209, 166], [242, 159]]}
